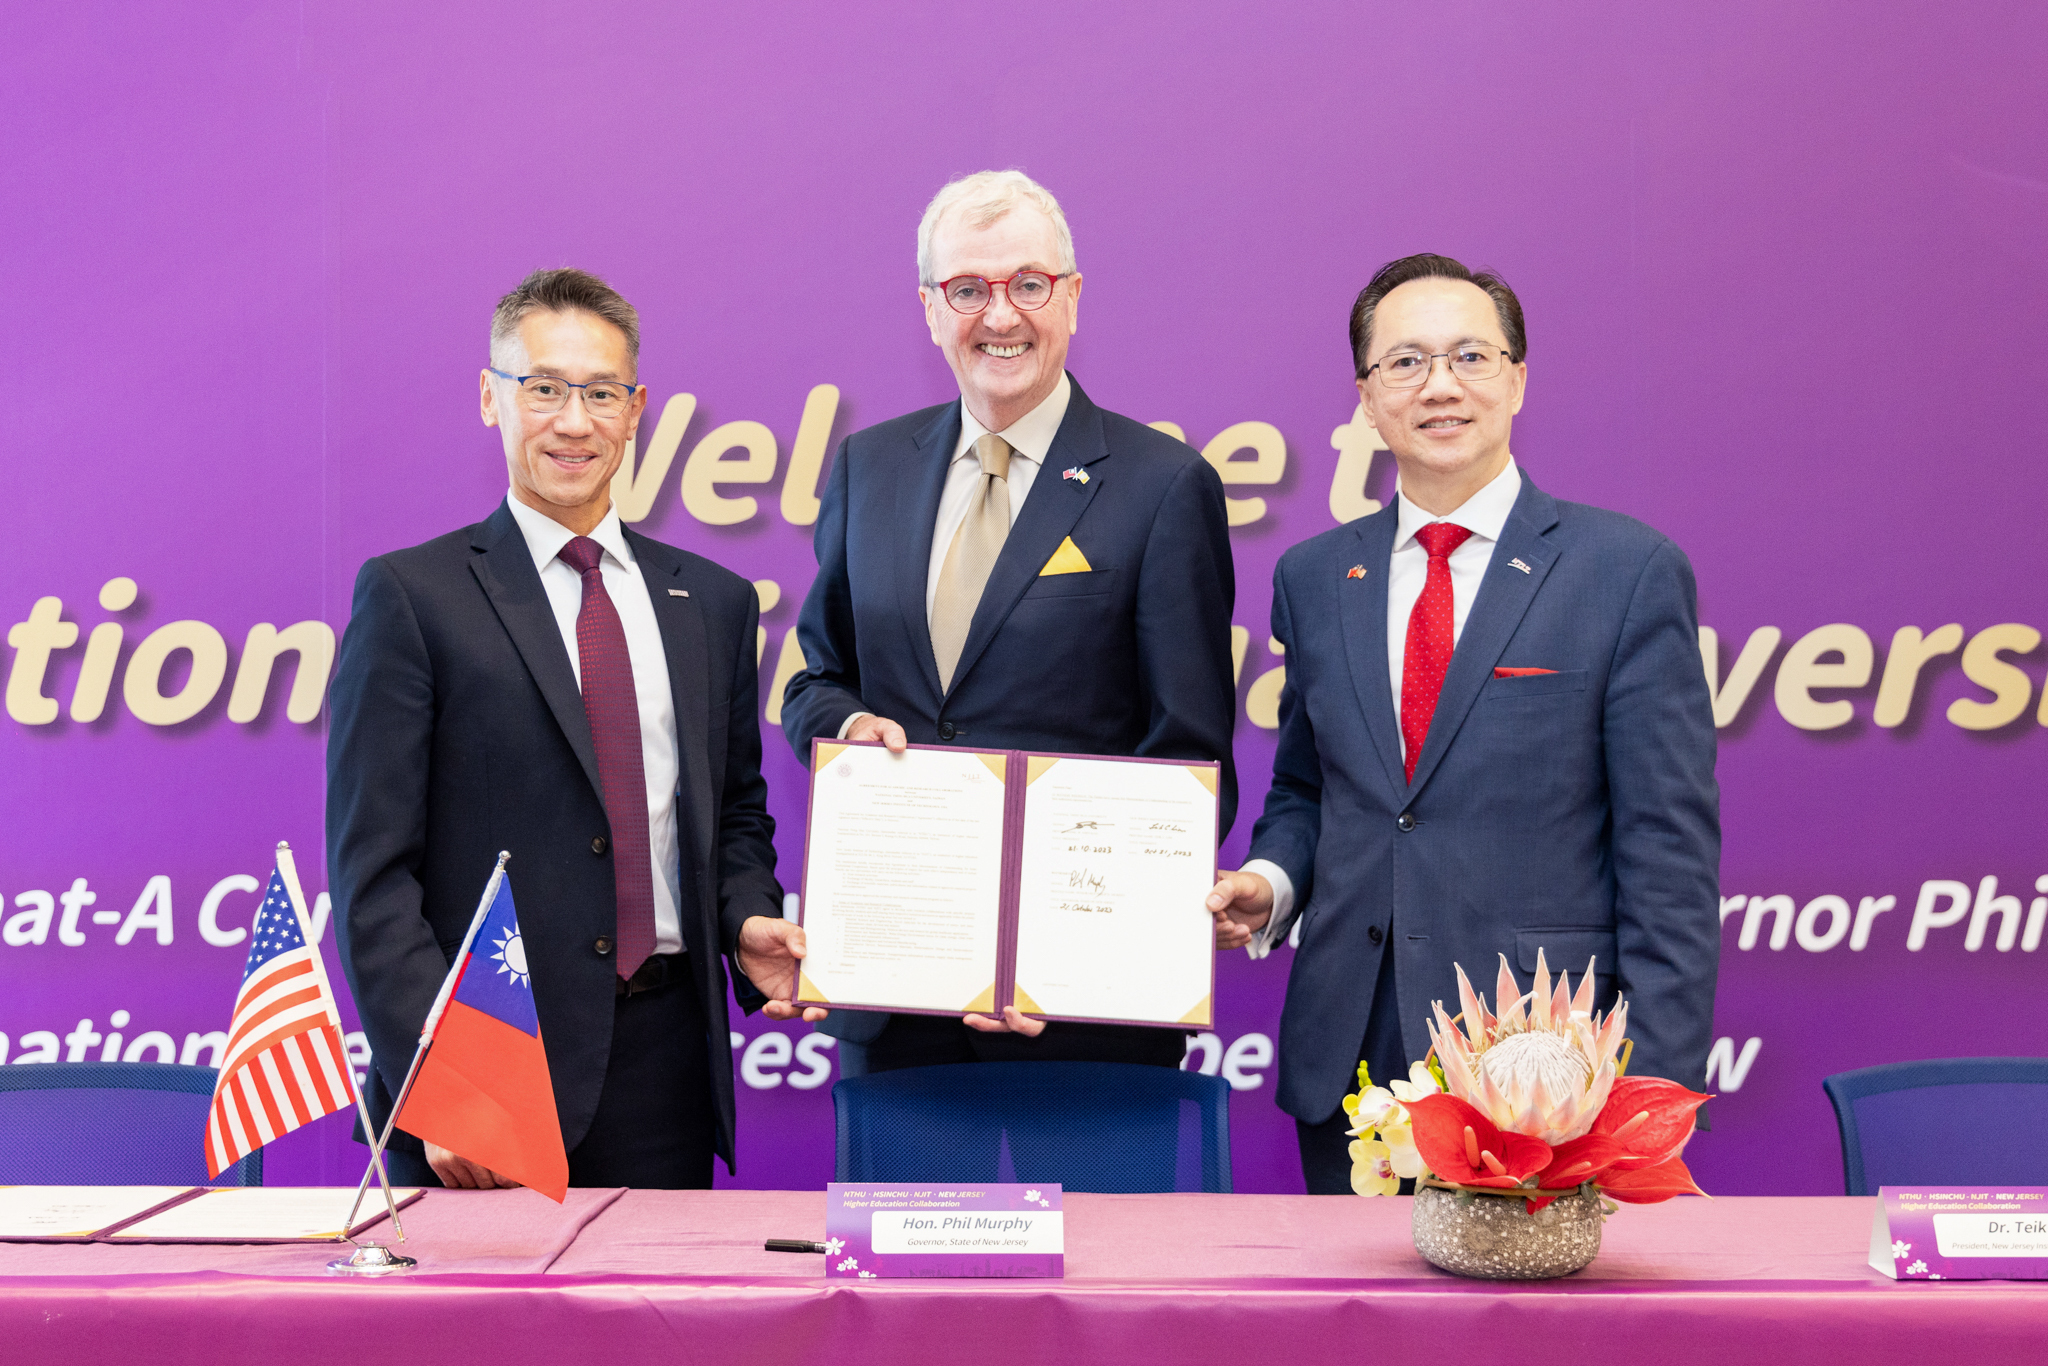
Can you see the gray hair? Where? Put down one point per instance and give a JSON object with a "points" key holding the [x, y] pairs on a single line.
{"points": [[985, 197], [565, 291]]}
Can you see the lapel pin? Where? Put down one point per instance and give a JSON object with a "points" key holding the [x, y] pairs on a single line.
{"points": [[1357, 571], [1519, 565], [1075, 472], [679, 592]]}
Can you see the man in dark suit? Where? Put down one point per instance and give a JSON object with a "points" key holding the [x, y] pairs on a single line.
{"points": [[550, 683], [1017, 569], [1495, 735]]}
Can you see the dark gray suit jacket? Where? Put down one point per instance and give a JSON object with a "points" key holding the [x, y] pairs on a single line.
{"points": [[458, 730], [1573, 811]]}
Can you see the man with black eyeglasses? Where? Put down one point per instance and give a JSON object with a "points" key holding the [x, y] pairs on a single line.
{"points": [[1015, 569], [1495, 735], [551, 683]]}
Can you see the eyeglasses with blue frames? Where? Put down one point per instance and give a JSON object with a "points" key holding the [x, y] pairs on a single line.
{"points": [[550, 393], [1028, 291], [1409, 369]]}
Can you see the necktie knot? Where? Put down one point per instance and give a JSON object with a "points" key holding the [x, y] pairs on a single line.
{"points": [[581, 554], [1441, 538], [994, 454]]}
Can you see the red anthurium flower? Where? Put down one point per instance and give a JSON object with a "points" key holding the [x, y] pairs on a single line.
{"points": [[1464, 1146], [1649, 1185], [1587, 1158], [1650, 1117]]}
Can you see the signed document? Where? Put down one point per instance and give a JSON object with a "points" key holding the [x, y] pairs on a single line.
{"points": [[945, 880]]}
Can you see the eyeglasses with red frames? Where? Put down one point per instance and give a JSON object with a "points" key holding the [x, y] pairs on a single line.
{"points": [[1027, 290]]}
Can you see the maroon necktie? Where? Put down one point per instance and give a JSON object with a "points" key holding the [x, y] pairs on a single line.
{"points": [[1428, 652], [614, 711]]}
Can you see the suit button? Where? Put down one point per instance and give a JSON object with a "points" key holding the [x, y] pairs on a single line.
{"points": [[597, 846], [603, 946], [1404, 822], [946, 731], [1373, 933]]}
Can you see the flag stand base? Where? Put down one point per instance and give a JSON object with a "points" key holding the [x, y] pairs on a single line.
{"points": [[371, 1259]]}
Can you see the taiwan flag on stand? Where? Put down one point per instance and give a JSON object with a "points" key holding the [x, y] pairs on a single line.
{"points": [[483, 1089]]}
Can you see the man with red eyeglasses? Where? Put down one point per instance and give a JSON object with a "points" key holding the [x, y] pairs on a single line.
{"points": [[1014, 569]]}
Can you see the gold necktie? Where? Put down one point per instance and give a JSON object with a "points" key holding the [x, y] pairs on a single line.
{"points": [[971, 556]]}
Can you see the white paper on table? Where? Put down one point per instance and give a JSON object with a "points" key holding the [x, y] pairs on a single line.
{"points": [[1118, 860], [259, 1214], [74, 1211], [903, 879]]}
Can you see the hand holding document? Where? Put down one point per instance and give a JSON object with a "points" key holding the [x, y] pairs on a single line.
{"points": [[941, 880]]}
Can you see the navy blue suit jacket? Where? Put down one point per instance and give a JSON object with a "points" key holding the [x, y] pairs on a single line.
{"points": [[458, 730], [1131, 657], [1573, 811]]}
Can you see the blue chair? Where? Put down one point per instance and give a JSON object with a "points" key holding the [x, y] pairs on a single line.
{"points": [[1947, 1122], [1090, 1126], [110, 1124]]}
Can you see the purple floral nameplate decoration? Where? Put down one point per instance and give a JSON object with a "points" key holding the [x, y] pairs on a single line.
{"points": [[943, 1230], [1924, 1233]]}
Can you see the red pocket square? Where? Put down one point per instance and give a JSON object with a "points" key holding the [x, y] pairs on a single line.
{"points": [[1499, 672]]}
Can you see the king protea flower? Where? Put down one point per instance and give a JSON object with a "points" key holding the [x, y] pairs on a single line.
{"points": [[1533, 1100], [1544, 1066]]}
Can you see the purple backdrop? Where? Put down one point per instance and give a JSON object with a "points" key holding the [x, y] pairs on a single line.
{"points": [[1782, 267]]}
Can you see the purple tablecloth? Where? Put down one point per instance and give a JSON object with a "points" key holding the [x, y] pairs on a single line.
{"points": [[509, 1278]]}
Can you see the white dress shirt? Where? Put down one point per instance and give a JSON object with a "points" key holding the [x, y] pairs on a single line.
{"points": [[659, 759], [1484, 514], [1030, 438]]}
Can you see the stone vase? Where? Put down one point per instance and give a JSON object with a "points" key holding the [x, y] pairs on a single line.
{"points": [[1496, 1238]]}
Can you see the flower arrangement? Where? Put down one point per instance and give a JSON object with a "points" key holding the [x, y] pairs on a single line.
{"points": [[1531, 1102]]}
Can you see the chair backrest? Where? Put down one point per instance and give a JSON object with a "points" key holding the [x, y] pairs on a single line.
{"points": [[110, 1124], [1090, 1126], [1951, 1121]]}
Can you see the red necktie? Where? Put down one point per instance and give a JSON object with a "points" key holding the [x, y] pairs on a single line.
{"points": [[614, 711], [1428, 652]]}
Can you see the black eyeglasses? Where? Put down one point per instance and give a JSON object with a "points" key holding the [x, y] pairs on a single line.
{"points": [[1028, 291], [1411, 369], [550, 394]]}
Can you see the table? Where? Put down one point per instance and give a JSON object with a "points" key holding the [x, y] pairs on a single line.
{"points": [[508, 1278]]}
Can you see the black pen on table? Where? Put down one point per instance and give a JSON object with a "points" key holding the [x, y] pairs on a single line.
{"points": [[794, 1245]]}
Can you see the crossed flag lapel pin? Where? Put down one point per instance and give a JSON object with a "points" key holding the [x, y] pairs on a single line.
{"points": [[1356, 571], [1075, 472]]}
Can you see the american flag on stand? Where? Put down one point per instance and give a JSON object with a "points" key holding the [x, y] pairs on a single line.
{"points": [[284, 1064]]}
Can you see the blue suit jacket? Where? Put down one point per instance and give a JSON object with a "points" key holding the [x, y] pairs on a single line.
{"points": [[1573, 811], [1131, 657], [458, 730]]}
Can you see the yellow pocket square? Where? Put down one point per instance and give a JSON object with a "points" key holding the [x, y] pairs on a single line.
{"points": [[1068, 559]]}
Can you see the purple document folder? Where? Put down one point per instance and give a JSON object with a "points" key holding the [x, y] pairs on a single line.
{"points": [[1039, 862], [928, 1229]]}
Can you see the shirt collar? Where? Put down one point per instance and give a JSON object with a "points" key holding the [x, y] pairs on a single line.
{"points": [[545, 536], [1031, 435], [1484, 514]]}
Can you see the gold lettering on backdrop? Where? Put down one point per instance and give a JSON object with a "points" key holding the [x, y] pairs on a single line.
{"points": [[636, 484], [1356, 442], [1804, 669], [1910, 652], [707, 468], [807, 456], [311, 641], [2012, 689], [140, 687], [1268, 463], [1749, 667], [33, 641], [1262, 702]]}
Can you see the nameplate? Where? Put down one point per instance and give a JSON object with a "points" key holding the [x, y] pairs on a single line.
{"points": [[876, 1231], [1953, 1233]]}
